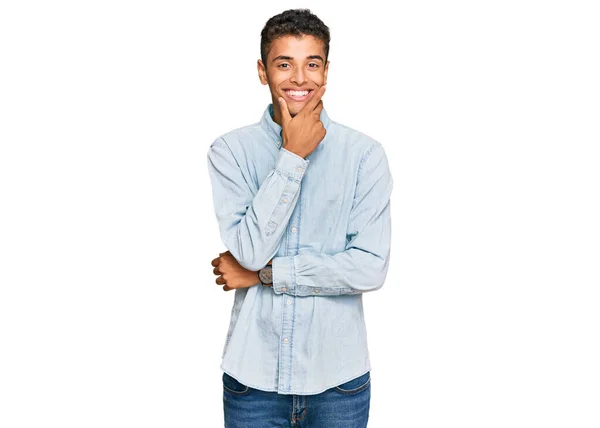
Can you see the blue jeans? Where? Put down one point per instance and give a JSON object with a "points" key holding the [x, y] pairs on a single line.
{"points": [[343, 406]]}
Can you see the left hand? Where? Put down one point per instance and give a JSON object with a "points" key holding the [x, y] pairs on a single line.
{"points": [[232, 274]]}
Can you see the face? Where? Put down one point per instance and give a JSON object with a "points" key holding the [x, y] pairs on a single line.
{"points": [[295, 69]]}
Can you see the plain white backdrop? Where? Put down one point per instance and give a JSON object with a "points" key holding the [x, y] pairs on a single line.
{"points": [[489, 115]]}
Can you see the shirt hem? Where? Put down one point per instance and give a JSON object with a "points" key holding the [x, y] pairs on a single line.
{"points": [[260, 388]]}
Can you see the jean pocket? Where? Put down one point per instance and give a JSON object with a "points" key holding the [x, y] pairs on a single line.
{"points": [[355, 385], [233, 387]]}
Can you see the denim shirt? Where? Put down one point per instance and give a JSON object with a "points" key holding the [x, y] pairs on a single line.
{"points": [[325, 221]]}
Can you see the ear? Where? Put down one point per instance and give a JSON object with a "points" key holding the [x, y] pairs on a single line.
{"points": [[325, 73], [262, 72]]}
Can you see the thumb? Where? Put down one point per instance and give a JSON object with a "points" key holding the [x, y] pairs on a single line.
{"points": [[285, 113]]}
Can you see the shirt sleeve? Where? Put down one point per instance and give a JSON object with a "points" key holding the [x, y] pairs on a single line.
{"points": [[251, 226], [363, 265]]}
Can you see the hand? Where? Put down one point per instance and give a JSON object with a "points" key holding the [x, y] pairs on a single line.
{"points": [[232, 274], [303, 133]]}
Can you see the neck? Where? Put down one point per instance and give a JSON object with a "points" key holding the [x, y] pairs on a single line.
{"points": [[277, 113]]}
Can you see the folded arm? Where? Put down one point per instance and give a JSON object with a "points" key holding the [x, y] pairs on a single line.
{"points": [[363, 266], [251, 226]]}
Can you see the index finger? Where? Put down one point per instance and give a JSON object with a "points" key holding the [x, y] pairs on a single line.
{"points": [[215, 262], [285, 112], [318, 108], [312, 103]]}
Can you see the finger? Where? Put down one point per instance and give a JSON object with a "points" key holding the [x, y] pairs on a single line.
{"points": [[226, 288], [216, 271], [318, 109], [314, 100], [220, 280], [215, 262], [285, 113]]}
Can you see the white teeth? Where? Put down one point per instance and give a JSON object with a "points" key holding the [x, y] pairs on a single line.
{"points": [[297, 93]]}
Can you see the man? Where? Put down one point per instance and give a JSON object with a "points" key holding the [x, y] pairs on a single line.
{"points": [[303, 207]]}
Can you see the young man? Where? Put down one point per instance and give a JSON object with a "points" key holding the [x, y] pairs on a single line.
{"points": [[303, 207]]}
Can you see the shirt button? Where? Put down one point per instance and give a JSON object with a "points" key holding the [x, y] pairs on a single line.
{"points": [[283, 289], [289, 302], [285, 201], [294, 230], [286, 340], [299, 169], [316, 290]]}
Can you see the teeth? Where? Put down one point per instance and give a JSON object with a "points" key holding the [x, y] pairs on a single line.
{"points": [[297, 93]]}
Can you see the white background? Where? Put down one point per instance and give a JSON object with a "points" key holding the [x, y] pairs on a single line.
{"points": [[488, 112]]}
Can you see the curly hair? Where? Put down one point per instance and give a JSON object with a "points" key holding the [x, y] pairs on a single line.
{"points": [[294, 22]]}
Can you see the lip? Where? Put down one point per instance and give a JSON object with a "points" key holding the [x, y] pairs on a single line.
{"points": [[297, 99]]}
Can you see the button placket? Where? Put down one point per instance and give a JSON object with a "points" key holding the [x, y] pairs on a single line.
{"points": [[287, 326]]}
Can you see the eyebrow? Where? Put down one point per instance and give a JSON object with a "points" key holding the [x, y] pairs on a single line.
{"points": [[289, 58]]}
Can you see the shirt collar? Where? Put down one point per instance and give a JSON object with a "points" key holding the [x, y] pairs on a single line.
{"points": [[273, 129]]}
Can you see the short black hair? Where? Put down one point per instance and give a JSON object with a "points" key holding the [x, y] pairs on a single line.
{"points": [[295, 22]]}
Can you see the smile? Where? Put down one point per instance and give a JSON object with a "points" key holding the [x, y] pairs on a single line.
{"points": [[298, 95]]}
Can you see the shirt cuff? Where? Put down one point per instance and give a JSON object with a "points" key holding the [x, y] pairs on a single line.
{"points": [[284, 275], [291, 165]]}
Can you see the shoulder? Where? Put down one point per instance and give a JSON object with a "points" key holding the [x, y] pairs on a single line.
{"points": [[234, 137], [355, 140]]}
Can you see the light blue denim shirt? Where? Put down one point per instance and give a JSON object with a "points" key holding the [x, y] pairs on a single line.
{"points": [[325, 221]]}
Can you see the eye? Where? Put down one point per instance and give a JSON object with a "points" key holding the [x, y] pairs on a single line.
{"points": [[313, 63], [282, 65]]}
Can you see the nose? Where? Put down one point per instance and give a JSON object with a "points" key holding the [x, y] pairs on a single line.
{"points": [[298, 77]]}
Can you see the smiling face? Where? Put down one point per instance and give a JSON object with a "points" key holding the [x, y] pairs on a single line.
{"points": [[295, 68]]}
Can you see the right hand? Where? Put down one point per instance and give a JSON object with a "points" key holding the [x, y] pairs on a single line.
{"points": [[303, 133]]}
